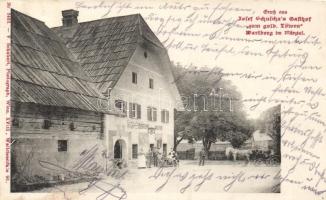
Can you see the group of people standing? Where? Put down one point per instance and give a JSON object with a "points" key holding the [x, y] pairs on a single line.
{"points": [[155, 158], [152, 157]]}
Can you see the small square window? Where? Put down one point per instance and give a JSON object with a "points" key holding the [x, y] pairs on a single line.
{"points": [[134, 77], [15, 122], [62, 145], [46, 124], [121, 105], [151, 83]]}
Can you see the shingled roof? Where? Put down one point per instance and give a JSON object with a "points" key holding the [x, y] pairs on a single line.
{"points": [[104, 47], [43, 69]]}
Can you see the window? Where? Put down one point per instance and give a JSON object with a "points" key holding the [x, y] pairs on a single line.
{"points": [[72, 126], [134, 151], [62, 145], [151, 113], [134, 77], [46, 124], [134, 110], [151, 83], [165, 116], [15, 122], [151, 146], [121, 105]]}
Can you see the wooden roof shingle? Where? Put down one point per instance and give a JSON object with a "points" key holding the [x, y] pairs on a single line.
{"points": [[104, 47], [44, 71]]}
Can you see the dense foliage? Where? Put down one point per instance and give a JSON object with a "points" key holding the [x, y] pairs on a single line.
{"points": [[270, 122], [211, 113]]}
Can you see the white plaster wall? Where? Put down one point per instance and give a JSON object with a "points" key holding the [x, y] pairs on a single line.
{"points": [[161, 97]]}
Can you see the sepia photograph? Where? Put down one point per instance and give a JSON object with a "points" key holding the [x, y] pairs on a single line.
{"points": [[179, 100], [101, 100]]}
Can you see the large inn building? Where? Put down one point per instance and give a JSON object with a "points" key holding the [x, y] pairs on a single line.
{"points": [[105, 83]]}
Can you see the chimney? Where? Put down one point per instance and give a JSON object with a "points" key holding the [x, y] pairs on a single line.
{"points": [[69, 17]]}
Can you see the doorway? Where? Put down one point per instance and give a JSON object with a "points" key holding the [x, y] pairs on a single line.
{"points": [[119, 149]]}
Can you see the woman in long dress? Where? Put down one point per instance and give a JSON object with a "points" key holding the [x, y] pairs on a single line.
{"points": [[141, 159]]}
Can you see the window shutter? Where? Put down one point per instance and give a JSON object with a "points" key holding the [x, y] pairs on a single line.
{"points": [[124, 107], [130, 110], [167, 117], [154, 114], [149, 114], [138, 111], [162, 116]]}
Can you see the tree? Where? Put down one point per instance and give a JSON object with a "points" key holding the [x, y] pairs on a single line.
{"points": [[208, 116], [270, 122], [183, 128], [237, 138]]}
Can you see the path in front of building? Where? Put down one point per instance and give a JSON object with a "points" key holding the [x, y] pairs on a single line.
{"points": [[215, 176]]}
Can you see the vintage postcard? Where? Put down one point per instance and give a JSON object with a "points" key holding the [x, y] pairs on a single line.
{"points": [[119, 99]]}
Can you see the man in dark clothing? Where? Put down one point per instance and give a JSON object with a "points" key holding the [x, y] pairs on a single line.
{"points": [[155, 157], [202, 156], [149, 158]]}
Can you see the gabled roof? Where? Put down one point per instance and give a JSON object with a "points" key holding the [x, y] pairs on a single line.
{"points": [[43, 69], [104, 47]]}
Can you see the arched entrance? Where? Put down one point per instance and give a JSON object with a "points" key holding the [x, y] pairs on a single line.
{"points": [[120, 149]]}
